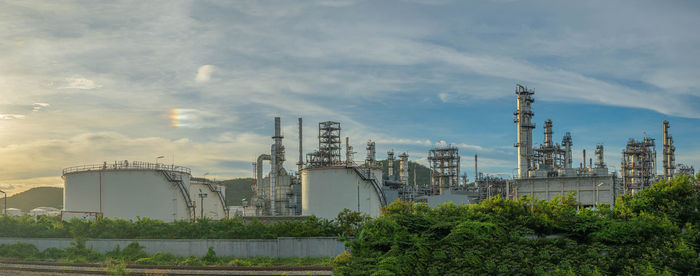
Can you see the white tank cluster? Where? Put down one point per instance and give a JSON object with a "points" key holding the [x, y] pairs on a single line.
{"points": [[130, 190]]}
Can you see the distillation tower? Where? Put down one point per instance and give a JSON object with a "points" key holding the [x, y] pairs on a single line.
{"points": [[524, 121], [669, 152], [403, 166]]}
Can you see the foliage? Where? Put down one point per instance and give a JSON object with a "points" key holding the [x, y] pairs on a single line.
{"points": [[237, 189], [117, 259], [652, 233], [145, 228], [422, 173]]}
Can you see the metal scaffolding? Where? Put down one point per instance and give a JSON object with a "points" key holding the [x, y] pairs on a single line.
{"points": [[685, 170], [444, 167], [328, 153], [638, 165]]}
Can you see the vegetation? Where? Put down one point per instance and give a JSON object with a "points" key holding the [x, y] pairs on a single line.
{"points": [[656, 232], [133, 253], [422, 172], [238, 189], [144, 228], [35, 197]]}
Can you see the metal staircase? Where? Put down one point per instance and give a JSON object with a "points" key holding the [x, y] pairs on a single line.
{"points": [[221, 196], [176, 179], [375, 184]]}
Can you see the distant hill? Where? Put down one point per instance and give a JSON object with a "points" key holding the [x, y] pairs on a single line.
{"points": [[422, 172], [238, 189], [36, 197]]}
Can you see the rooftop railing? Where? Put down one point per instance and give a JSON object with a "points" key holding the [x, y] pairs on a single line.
{"points": [[126, 165]]}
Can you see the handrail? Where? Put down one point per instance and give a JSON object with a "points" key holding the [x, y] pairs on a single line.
{"points": [[375, 185], [126, 165]]}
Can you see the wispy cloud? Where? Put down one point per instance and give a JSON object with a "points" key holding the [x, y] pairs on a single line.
{"points": [[11, 116], [79, 83]]}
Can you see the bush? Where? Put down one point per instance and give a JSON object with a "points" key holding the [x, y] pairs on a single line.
{"points": [[654, 233]]}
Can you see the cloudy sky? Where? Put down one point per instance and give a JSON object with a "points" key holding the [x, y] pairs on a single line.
{"points": [[200, 82]]}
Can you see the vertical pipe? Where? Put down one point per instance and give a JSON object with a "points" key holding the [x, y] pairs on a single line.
{"points": [[347, 151], [274, 164], [415, 183], [300, 164], [476, 171]]}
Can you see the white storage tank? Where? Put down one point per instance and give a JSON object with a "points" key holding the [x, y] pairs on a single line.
{"points": [[214, 201], [327, 191], [129, 190], [14, 212]]}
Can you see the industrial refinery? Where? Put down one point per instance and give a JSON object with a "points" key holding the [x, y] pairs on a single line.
{"points": [[325, 182]]}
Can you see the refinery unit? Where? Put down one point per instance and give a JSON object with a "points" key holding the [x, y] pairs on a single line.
{"points": [[546, 171], [324, 183]]}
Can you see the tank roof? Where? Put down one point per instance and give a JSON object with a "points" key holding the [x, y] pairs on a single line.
{"points": [[126, 165]]}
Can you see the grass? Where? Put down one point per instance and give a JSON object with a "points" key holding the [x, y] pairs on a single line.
{"points": [[117, 259]]}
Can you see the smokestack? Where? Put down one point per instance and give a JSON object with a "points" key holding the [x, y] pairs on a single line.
{"points": [[476, 171], [300, 164], [584, 158], [277, 157]]}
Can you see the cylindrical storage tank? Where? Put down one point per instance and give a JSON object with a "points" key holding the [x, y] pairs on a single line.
{"points": [[214, 202], [326, 192], [129, 190]]}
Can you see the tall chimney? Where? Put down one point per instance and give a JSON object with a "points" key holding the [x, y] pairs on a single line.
{"points": [[300, 164], [476, 171], [584, 158]]}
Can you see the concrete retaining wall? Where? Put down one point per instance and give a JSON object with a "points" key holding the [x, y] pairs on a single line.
{"points": [[280, 247]]}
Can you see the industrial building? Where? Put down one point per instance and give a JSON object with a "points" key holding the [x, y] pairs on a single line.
{"points": [[546, 172], [130, 190], [279, 193]]}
